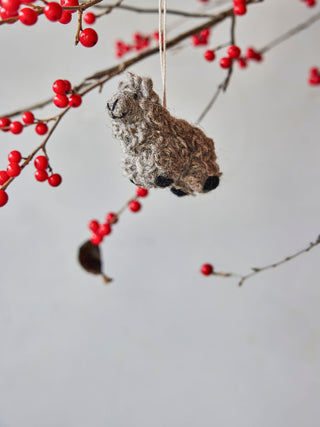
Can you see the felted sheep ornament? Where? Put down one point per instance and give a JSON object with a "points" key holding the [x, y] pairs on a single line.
{"points": [[160, 150]]}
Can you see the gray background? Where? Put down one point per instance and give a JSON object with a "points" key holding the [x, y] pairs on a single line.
{"points": [[163, 345]]}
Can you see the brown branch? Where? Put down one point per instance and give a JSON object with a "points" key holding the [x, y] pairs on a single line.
{"points": [[257, 270], [79, 29]]}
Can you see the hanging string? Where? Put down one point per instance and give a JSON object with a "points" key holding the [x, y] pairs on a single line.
{"points": [[163, 46]]}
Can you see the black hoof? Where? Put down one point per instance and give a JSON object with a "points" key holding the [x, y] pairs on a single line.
{"points": [[177, 192], [163, 182], [211, 183]]}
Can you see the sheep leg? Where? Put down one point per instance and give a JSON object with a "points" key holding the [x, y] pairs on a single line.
{"points": [[163, 182], [211, 183], [178, 192]]}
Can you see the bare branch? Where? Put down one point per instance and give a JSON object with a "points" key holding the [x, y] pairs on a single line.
{"points": [[257, 270]]}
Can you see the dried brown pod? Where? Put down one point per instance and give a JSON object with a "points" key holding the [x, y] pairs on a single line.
{"points": [[89, 257]]}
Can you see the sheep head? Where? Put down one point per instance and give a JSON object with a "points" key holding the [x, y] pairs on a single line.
{"points": [[133, 100]]}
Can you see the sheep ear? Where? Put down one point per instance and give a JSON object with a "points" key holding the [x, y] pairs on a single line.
{"points": [[146, 87]]}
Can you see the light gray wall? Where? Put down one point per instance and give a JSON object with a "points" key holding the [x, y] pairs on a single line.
{"points": [[163, 345]]}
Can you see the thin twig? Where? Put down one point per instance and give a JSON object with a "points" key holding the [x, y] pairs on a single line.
{"points": [[257, 270], [156, 11], [290, 33]]}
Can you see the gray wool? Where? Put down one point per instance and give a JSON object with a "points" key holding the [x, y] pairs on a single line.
{"points": [[157, 144]]}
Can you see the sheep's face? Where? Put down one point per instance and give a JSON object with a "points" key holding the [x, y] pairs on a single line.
{"points": [[126, 106], [133, 100]]}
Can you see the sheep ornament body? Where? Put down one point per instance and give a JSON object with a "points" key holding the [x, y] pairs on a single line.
{"points": [[160, 150]]}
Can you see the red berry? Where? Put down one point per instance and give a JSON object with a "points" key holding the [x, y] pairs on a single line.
{"points": [[206, 269], [5, 14], [70, 3], [242, 63], [88, 37], [53, 11], [104, 229], [60, 101], [10, 5], [195, 40], [59, 87], [41, 128], [28, 16], [314, 80], [209, 55], [314, 71], [311, 3], [96, 239], [41, 162], [240, 9], [28, 118], [75, 100], [94, 225], [89, 18], [237, 2], [111, 218], [141, 192], [251, 53], [134, 205], [205, 33], [41, 175], [65, 17], [234, 52], [5, 123], [55, 180], [68, 85], [16, 127], [3, 198], [3, 177], [13, 169], [14, 156], [225, 62]]}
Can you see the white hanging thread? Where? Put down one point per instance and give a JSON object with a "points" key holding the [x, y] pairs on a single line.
{"points": [[163, 46]]}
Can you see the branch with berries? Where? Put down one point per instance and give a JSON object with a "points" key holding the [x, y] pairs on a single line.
{"points": [[67, 97], [208, 269]]}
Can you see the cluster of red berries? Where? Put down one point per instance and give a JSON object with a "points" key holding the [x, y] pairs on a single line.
{"points": [[251, 55], [239, 7], [314, 76], [206, 269], [61, 88], [140, 42], [99, 231], [16, 127], [53, 11], [201, 38], [233, 53], [310, 3], [13, 170], [41, 174]]}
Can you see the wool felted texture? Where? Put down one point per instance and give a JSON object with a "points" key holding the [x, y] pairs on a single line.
{"points": [[160, 150]]}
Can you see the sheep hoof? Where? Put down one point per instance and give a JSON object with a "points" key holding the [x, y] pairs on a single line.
{"points": [[163, 182], [177, 192], [211, 183]]}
